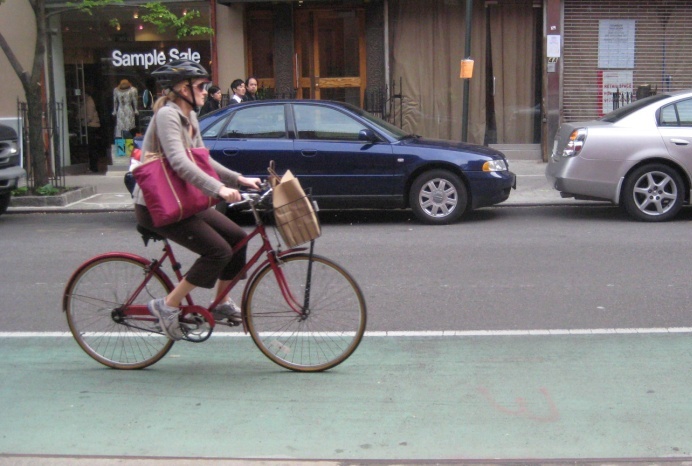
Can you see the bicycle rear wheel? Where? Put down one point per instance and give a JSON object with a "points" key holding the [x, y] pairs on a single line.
{"points": [[327, 333], [93, 302]]}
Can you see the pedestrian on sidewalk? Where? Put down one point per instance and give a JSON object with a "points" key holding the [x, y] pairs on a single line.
{"points": [[237, 91], [213, 100], [89, 115]]}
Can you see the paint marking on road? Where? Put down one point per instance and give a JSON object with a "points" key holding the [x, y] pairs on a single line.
{"points": [[427, 333]]}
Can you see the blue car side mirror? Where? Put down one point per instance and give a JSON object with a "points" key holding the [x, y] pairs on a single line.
{"points": [[367, 135]]}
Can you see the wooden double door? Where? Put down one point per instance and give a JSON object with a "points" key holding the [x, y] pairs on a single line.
{"points": [[329, 61]]}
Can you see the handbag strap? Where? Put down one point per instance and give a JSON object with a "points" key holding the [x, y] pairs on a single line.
{"points": [[157, 143], [187, 138]]}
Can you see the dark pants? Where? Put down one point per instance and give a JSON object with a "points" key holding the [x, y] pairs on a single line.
{"points": [[95, 147], [211, 235]]}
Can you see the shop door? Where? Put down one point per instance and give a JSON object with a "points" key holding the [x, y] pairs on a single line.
{"points": [[512, 72], [330, 55], [74, 82]]}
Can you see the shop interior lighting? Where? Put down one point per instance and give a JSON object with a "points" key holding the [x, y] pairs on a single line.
{"points": [[136, 14]]}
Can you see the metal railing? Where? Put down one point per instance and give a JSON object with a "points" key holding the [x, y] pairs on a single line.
{"points": [[386, 103], [53, 123]]}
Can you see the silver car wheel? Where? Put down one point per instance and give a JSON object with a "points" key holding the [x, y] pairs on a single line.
{"points": [[438, 198], [655, 193]]}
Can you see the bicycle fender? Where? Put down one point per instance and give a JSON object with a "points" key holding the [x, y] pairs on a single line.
{"points": [[262, 264], [108, 255]]}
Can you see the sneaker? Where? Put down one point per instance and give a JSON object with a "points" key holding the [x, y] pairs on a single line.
{"points": [[168, 318], [228, 310]]}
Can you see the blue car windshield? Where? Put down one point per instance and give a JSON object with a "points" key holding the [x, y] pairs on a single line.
{"points": [[622, 112]]}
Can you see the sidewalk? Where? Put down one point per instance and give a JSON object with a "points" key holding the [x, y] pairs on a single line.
{"points": [[111, 195]]}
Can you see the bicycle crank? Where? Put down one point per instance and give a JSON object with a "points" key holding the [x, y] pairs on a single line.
{"points": [[195, 327]]}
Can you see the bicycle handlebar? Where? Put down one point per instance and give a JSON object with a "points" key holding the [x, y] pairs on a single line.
{"points": [[253, 198]]}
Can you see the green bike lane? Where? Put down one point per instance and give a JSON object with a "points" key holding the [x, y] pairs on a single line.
{"points": [[398, 398]]}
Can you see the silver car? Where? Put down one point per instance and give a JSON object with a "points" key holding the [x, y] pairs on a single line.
{"points": [[638, 156]]}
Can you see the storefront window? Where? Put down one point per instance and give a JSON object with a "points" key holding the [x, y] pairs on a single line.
{"points": [[110, 55]]}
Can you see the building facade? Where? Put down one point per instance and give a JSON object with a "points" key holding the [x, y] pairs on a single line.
{"points": [[536, 62]]}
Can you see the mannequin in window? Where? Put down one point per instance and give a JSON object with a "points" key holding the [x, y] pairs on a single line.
{"points": [[124, 107]]}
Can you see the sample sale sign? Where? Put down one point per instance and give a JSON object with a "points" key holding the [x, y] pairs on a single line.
{"points": [[153, 58]]}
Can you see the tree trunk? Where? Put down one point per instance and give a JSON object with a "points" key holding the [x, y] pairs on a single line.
{"points": [[34, 92], [37, 147]]}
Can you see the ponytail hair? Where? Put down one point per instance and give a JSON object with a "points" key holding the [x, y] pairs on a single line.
{"points": [[161, 101]]}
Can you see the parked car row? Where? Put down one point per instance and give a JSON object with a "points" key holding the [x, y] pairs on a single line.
{"points": [[638, 156]]}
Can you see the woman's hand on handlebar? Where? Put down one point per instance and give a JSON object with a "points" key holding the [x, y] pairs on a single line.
{"points": [[254, 183], [229, 195]]}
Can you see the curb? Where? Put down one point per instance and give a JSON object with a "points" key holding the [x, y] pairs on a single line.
{"points": [[59, 200]]}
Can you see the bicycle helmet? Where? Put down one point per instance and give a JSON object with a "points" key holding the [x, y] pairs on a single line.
{"points": [[175, 71]]}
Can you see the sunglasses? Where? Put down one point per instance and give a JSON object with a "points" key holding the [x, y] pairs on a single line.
{"points": [[203, 86]]}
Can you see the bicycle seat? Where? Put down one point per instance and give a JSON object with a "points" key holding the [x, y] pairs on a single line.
{"points": [[148, 234]]}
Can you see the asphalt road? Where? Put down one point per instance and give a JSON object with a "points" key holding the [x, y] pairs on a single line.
{"points": [[533, 335], [504, 268]]}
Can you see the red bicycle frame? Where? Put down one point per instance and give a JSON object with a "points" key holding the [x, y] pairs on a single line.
{"points": [[142, 312]]}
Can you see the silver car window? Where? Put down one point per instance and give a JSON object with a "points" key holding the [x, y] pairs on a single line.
{"points": [[685, 112], [677, 114]]}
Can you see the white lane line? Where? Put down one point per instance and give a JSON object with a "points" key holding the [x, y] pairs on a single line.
{"points": [[431, 333]]}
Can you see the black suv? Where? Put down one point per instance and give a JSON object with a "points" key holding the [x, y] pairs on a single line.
{"points": [[10, 170]]}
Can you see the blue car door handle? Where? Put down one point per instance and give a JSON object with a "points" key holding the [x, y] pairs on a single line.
{"points": [[230, 152], [308, 152]]}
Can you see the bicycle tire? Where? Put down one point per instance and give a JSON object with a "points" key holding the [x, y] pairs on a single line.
{"points": [[327, 336], [93, 295]]}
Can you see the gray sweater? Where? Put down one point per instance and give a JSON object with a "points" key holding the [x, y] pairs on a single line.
{"points": [[171, 128]]}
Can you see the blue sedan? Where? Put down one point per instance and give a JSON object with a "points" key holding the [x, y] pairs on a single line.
{"points": [[351, 159]]}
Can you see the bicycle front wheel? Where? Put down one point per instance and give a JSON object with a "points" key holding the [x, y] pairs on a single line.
{"points": [[94, 300], [326, 333]]}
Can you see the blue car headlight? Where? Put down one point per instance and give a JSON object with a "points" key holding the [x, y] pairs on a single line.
{"points": [[494, 166]]}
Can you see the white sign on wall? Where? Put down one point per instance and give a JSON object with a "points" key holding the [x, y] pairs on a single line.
{"points": [[616, 43], [616, 84], [553, 46], [153, 58]]}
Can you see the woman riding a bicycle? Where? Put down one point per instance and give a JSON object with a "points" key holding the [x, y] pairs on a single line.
{"points": [[209, 233]]}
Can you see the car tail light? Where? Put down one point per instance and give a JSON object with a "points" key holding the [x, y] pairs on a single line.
{"points": [[575, 143]]}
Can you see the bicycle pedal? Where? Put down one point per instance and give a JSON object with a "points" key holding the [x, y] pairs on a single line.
{"points": [[228, 323]]}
